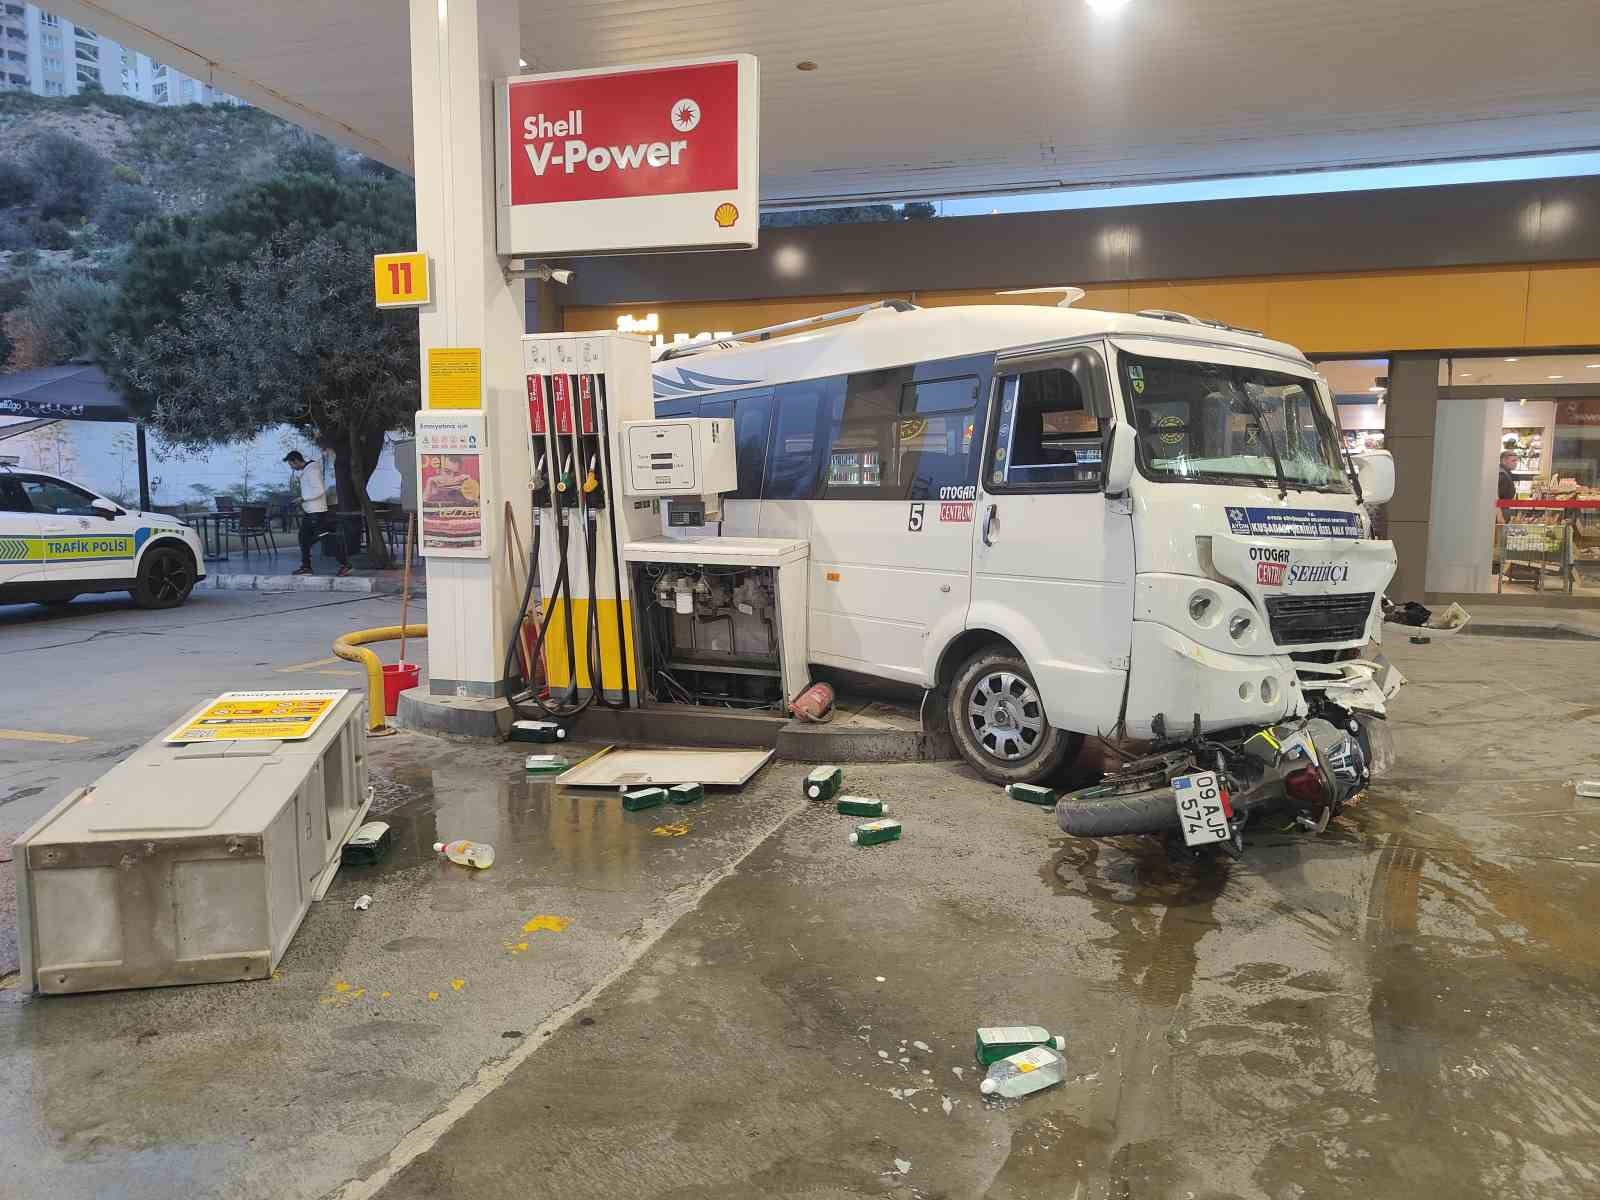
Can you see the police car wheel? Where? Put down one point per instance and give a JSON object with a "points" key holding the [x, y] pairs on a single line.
{"points": [[166, 577], [998, 721]]}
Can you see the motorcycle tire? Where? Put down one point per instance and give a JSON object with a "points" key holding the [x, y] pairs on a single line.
{"points": [[1094, 816]]}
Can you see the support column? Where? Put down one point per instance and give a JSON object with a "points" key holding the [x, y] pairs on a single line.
{"points": [[1413, 403], [458, 49]]}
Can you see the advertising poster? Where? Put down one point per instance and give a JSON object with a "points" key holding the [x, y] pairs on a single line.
{"points": [[450, 484]]}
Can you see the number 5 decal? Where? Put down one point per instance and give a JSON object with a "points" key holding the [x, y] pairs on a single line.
{"points": [[914, 522]]}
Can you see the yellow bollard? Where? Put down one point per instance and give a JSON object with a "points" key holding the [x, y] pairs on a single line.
{"points": [[349, 646]]}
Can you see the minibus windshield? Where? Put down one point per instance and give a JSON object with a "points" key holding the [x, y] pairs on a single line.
{"points": [[1208, 423]]}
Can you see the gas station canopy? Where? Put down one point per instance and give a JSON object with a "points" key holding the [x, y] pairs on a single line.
{"points": [[873, 99]]}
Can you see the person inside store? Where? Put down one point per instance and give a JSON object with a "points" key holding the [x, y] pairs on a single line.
{"points": [[315, 520], [1508, 482]]}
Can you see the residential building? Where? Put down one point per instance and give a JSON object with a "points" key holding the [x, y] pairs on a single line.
{"points": [[48, 56]]}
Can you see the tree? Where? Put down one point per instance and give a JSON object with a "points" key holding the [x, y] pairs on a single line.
{"points": [[169, 257], [70, 176], [289, 337], [57, 322]]}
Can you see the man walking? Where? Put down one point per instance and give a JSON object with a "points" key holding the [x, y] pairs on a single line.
{"points": [[315, 521]]}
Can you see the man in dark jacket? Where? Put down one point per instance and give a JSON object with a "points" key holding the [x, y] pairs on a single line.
{"points": [[1508, 483]]}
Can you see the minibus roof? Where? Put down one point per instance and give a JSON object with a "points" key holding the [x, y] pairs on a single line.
{"points": [[884, 337]]}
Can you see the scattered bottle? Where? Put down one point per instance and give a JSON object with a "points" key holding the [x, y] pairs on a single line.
{"points": [[1030, 793], [870, 833], [647, 797], [824, 783], [1001, 1041], [686, 793], [537, 731], [861, 806], [1587, 787], [545, 764], [1024, 1073], [467, 854]]}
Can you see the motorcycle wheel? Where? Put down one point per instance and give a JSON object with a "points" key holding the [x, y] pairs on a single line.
{"points": [[1136, 799]]}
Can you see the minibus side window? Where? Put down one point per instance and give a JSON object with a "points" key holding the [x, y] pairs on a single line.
{"points": [[902, 438], [1047, 434], [796, 453]]}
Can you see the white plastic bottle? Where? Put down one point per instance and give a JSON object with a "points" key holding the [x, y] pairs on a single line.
{"points": [[467, 854], [1024, 1072]]}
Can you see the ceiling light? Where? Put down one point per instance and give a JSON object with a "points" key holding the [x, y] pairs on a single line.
{"points": [[1523, 403], [523, 63], [1374, 389], [1591, 367], [805, 64], [1464, 375], [1513, 360], [1107, 6], [1555, 376]]}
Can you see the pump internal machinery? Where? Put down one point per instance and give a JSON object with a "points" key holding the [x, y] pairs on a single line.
{"points": [[632, 596]]}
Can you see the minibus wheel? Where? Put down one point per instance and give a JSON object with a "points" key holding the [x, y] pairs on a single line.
{"points": [[998, 721]]}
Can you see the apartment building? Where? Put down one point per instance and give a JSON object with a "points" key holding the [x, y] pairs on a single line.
{"points": [[48, 56]]}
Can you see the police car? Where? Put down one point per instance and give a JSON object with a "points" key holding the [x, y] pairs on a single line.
{"points": [[58, 540]]}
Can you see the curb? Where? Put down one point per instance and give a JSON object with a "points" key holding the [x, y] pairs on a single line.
{"points": [[359, 584], [490, 719]]}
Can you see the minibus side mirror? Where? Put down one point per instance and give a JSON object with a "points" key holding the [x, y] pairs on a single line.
{"points": [[1375, 473], [1118, 458]]}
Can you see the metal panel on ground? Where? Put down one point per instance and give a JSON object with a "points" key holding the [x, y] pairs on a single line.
{"points": [[630, 768]]}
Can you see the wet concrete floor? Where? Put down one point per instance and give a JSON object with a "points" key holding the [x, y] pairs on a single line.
{"points": [[1403, 1006]]}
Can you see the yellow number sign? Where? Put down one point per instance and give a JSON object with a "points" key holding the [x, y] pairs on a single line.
{"points": [[259, 716], [400, 280]]}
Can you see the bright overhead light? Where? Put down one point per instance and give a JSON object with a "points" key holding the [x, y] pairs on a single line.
{"points": [[1513, 360], [1523, 403], [1555, 376], [523, 63], [1374, 389], [1591, 367], [1465, 375], [1107, 6]]}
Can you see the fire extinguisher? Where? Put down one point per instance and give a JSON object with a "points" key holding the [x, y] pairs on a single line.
{"points": [[815, 704]]}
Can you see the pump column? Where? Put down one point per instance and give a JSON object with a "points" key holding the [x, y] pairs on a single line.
{"points": [[458, 49]]}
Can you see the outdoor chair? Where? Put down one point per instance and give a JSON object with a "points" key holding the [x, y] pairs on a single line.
{"points": [[254, 527]]}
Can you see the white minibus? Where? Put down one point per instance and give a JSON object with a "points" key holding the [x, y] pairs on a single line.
{"points": [[1062, 522]]}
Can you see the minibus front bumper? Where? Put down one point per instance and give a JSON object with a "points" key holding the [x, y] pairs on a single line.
{"points": [[1175, 678]]}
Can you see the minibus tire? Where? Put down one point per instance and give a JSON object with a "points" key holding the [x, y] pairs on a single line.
{"points": [[1153, 811], [1052, 746]]}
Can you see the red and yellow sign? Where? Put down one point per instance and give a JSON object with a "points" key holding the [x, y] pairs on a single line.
{"points": [[400, 280], [259, 717]]}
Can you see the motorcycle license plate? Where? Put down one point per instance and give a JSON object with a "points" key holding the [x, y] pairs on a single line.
{"points": [[1200, 808]]}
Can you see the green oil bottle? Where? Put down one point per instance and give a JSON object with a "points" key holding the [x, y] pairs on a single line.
{"points": [[647, 797], [870, 833], [861, 806], [1030, 793], [824, 783], [545, 764], [686, 793], [1001, 1041]]}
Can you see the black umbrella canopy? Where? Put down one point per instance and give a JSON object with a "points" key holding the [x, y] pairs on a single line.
{"points": [[74, 392]]}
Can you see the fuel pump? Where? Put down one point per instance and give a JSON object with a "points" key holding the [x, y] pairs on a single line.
{"points": [[579, 388]]}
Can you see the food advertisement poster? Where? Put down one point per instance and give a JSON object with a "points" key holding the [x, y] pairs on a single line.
{"points": [[450, 448]]}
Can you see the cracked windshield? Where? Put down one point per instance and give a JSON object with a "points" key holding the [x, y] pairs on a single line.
{"points": [[1209, 423]]}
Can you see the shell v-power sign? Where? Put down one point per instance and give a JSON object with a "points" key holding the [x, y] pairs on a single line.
{"points": [[656, 157]]}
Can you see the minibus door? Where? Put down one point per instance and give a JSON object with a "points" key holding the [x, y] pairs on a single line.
{"points": [[1052, 557]]}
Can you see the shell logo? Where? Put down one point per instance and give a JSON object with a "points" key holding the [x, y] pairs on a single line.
{"points": [[725, 215]]}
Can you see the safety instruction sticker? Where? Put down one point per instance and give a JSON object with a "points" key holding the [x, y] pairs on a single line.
{"points": [[259, 717]]}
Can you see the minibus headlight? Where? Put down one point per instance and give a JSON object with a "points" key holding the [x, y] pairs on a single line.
{"points": [[1238, 627], [1200, 605]]}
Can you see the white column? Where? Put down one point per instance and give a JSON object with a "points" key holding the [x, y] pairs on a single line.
{"points": [[1466, 445], [458, 49]]}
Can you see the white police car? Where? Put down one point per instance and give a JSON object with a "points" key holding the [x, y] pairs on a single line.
{"points": [[58, 540]]}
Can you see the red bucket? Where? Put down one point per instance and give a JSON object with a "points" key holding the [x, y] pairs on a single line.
{"points": [[397, 677]]}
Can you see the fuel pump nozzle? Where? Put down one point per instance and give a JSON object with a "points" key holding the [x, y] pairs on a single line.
{"points": [[540, 485], [591, 481]]}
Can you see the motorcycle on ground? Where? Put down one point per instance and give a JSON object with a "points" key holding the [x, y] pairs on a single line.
{"points": [[1199, 790]]}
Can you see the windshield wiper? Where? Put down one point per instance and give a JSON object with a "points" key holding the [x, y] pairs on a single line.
{"points": [[1272, 445]]}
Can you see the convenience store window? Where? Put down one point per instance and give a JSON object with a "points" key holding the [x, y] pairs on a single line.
{"points": [[1360, 388]]}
